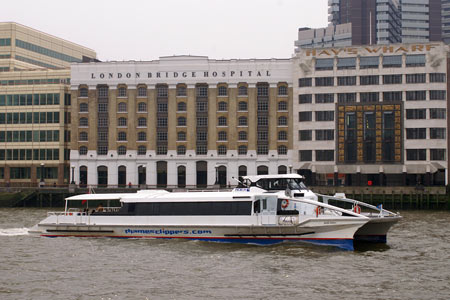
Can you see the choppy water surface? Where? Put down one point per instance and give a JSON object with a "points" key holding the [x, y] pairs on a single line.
{"points": [[415, 264]]}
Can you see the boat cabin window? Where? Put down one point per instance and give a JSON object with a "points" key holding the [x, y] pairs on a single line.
{"points": [[257, 206], [278, 184]]}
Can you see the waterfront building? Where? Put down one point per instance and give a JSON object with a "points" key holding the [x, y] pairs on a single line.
{"points": [[180, 121], [35, 105], [446, 21], [372, 115]]}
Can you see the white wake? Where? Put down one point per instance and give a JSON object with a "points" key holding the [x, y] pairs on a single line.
{"points": [[13, 231]]}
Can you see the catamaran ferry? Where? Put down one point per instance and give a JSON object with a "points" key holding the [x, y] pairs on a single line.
{"points": [[244, 215]]}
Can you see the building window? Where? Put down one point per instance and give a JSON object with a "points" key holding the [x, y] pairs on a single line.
{"points": [[84, 122], [103, 136], [161, 122], [122, 122], [161, 136], [369, 62], [324, 134], [305, 116], [416, 154], [222, 106], [161, 150], [263, 90], [305, 135], [393, 79], [282, 106], [415, 60], [181, 106], [83, 150], [181, 121], [416, 114], [324, 98], [416, 133], [83, 136], [262, 150], [181, 91], [222, 121], [83, 93], [242, 91], [141, 150], [392, 96], [324, 64], [416, 78], [122, 136], [202, 106], [304, 82], [222, 136], [242, 150], [202, 122], [282, 135], [415, 95], [346, 80], [181, 136], [282, 150], [162, 107], [142, 136], [437, 154], [84, 107], [102, 150], [324, 81], [142, 107], [437, 77], [282, 90], [162, 91], [348, 63], [142, 91], [324, 155], [263, 105], [369, 97], [392, 61], [103, 92], [202, 136], [263, 121], [142, 122], [242, 135], [369, 80], [103, 107], [181, 150], [438, 95], [305, 155], [242, 106], [304, 98], [263, 136], [438, 133], [327, 115], [201, 150], [437, 113], [242, 121], [346, 97], [122, 107], [222, 150], [122, 92], [202, 91], [222, 91], [122, 150]]}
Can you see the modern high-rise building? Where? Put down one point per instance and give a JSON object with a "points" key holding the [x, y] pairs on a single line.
{"points": [[35, 105], [421, 21], [445, 12]]}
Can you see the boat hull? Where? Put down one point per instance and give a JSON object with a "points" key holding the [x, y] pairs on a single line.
{"points": [[375, 231]]}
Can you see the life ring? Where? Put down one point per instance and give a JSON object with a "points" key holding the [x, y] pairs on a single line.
{"points": [[284, 203], [357, 209], [317, 210]]}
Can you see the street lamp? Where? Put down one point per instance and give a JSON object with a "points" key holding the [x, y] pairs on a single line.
{"points": [[73, 175]]}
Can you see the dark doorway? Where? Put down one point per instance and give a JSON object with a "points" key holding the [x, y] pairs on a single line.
{"points": [[142, 175], [102, 175], [161, 177], [222, 176], [202, 174], [262, 170], [122, 171], [181, 176], [83, 176]]}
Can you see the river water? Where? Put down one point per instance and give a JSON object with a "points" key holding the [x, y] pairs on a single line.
{"points": [[415, 264]]}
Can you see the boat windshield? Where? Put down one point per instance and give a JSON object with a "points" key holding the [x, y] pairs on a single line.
{"points": [[279, 184]]}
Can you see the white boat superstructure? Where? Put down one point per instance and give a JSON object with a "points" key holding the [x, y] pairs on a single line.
{"points": [[248, 215], [380, 220]]}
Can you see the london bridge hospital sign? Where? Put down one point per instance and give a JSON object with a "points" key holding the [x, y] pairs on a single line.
{"points": [[187, 74]]}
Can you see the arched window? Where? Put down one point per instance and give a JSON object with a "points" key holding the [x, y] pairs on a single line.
{"points": [[142, 136], [181, 121], [142, 122], [83, 150], [181, 150], [282, 136], [142, 91], [181, 91], [222, 91], [162, 91], [282, 106], [103, 91], [242, 135], [242, 171], [122, 92], [122, 136], [222, 106], [181, 136], [262, 170], [282, 121], [122, 107], [83, 136], [83, 93], [242, 121], [222, 121], [222, 150], [222, 136], [181, 106], [142, 150], [242, 106], [282, 170], [122, 150], [242, 90], [282, 150], [122, 122], [142, 107], [282, 90], [242, 150], [84, 107], [84, 122]]}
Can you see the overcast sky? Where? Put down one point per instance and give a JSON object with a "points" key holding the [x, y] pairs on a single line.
{"points": [[146, 30]]}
